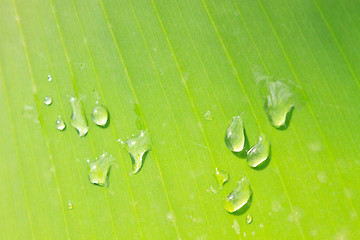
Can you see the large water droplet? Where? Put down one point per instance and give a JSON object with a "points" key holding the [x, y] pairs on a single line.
{"points": [[222, 177], [259, 152], [100, 115], [137, 147], [100, 169], [60, 124], [78, 118], [235, 137], [208, 116], [47, 100], [238, 197], [281, 99]]}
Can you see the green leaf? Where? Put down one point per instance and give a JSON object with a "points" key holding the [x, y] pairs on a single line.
{"points": [[161, 65]]}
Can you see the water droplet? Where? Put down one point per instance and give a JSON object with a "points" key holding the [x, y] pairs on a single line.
{"points": [[235, 137], [47, 100], [259, 152], [222, 177], [70, 206], [137, 147], [100, 169], [249, 219], [236, 226], [239, 196], [208, 116], [211, 189], [78, 118], [60, 124], [100, 115], [280, 100], [49, 78]]}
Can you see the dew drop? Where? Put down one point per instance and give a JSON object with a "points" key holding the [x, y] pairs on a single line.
{"points": [[235, 137], [259, 152], [208, 116], [60, 124], [280, 100], [49, 78], [78, 118], [137, 146], [222, 177], [249, 219], [48, 100], [70, 206], [100, 169], [239, 196], [100, 115]]}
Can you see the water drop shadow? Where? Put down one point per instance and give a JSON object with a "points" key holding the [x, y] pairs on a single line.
{"points": [[244, 208], [264, 164], [242, 153]]}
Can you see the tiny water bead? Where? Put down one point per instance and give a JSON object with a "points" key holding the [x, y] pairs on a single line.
{"points": [[60, 124], [235, 137], [100, 169], [249, 219], [259, 152], [137, 146], [208, 116], [49, 78], [100, 115], [70, 206], [222, 177], [78, 118], [239, 196], [48, 100], [280, 100]]}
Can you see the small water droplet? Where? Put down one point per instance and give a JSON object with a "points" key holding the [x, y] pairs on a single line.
{"points": [[211, 189], [78, 118], [47, 100], [208, 116], [280, 100], [259, 152], [235, 137], [137, 147], [239, 196], [60, 124], [236, 226], [70, 206], [100, 115], [171, 216], [222, 177], [49, 78], [249, 219], [100, 169]]}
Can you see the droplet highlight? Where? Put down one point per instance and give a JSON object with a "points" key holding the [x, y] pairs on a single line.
{"points": [[259, 152], [60, 124], [239, 196], [249, 219], [48, 100], [78, 118], [100, 115], [136, 147], [100, 169], [235, 137], [222, 177]]}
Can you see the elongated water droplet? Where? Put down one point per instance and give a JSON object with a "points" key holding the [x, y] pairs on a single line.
{"points": [[249, 219], [208, 116], [100, 115], [280, 101], [70, 206], [235, 137], [78, 118], [238, 197], [137, 147], [222, 177], [47, 100], [49, 78], [259, 152], [100, 169], [60, 124]]}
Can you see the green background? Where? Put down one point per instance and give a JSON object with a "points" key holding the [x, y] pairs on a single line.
{"points": [[161, 65]]}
